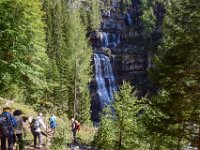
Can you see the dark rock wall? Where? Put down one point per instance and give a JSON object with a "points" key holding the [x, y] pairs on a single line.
{"points": [[130, 60]]}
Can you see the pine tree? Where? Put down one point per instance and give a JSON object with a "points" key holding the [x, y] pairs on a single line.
{"points": [[76, 67], [22, 50], [104, 138], [177, 72], [90, 14], [126, 108], [94, 15], [122, 127], [55, 14], [148, 17], [54, 24], [70, 55]]}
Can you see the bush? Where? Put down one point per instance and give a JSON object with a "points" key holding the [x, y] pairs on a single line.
{"points": [[60, 139]]}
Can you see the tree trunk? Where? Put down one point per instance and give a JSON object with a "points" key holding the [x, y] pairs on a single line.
{"points": [[75, 97], [120, 137], [199, 139], [120, 140]]}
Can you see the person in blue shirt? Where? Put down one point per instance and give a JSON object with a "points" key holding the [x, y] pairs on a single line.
{"points": [[8, 123], [52, 122]]}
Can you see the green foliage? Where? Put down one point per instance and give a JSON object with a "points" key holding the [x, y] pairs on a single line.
{"points": [[148, 21], [22, 51], [161, 124], [94, 15], [61, 137], [75, 71], [177, 73], [104, 138], [86, 134], [122, 129], [55, 14], [124, 4], [127, 107], [69, 54]]}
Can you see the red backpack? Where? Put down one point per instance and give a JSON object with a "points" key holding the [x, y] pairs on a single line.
{"points": [[78, 126]]}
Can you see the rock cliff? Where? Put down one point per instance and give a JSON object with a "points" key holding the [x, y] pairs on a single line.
{"points": [[121, 39]]}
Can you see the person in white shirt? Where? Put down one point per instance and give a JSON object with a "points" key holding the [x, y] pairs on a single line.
{"points": [[37, 126]]}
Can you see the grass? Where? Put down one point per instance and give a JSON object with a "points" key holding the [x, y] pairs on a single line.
{"points": [[63, 135], [27, 110], [86, 134]]}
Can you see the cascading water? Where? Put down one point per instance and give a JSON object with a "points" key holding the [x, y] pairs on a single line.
{"points": [[129, 63], [110, 39], [118, 39], [104, 39], [128, 19], [103, 73]]}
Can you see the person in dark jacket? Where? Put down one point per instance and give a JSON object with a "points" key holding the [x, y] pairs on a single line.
{"points": [[20, 129], [73, 124], [8, 123]]}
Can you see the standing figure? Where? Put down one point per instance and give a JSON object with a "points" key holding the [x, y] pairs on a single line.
{"points": [[20, 129], [36, 130], [7, 125], [52, 122], [73, 129], [78, 125]]}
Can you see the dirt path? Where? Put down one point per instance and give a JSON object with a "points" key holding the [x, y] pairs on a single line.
{"points": [[78, 146]]}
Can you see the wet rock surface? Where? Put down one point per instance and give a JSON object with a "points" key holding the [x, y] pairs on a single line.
{"points": [[121, 39]]}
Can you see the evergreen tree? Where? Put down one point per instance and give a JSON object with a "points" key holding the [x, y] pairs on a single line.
{"points": [[94, 15], [76, 67], [177, 72], [126, 108], [70, 55], [55, 15], [54, 24], [90, 14], [104, 138], [122, 129], [22, 50], [148, 17]]}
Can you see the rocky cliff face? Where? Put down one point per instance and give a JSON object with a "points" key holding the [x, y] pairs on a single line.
{"points": [[121, 39]]}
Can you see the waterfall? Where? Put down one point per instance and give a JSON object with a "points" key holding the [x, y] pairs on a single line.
{"points": [[105, 41], [109, 39], [103, 73], [118, 39], [112, 39], [127, 19]]}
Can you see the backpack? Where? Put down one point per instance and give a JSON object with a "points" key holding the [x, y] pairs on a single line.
{"points": [[5, 126], [78, 126], [34, 125]]}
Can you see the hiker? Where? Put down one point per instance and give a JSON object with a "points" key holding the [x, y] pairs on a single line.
{"points": [[20, 129], [75, 127], [78, 125], [36, 125], [52, 122], [7, 125]]}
